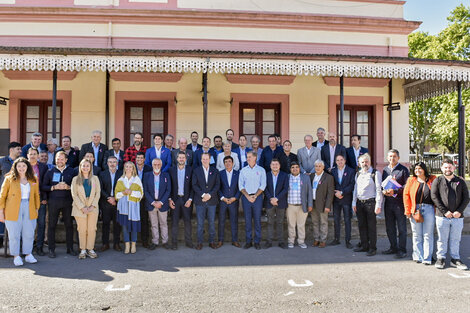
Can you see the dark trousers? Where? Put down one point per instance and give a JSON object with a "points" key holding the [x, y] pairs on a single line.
{"points": [[108, 213], [276, 217], [204, 211], [345, 208], [367, 221], [55, 207], [41, 225], [232, 210], [181, 210], [252, 212], [395, 218], [144, 223]]}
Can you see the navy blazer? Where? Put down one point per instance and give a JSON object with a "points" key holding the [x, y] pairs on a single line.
{"points": [[238, 152], [325, 154], [267, 155], [197, 157], [109, 153], [165, 156], [225, 190], [43, 168], [347, 184], [188, 192], [107, 186], [190, 147], [351, 157], [164, 190], [88, 147], [282, 189], [200, 186], [24, 150]]}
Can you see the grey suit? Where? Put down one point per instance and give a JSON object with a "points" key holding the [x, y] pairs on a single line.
{"points": [[306, 161], [323, 199]]}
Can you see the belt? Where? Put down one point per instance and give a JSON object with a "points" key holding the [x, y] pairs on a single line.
{"points": [[180, 196], [366, 200], [295, 204], [252, 194]]}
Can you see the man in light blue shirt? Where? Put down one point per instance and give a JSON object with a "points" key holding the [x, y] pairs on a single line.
{"points": [[252, 182]]}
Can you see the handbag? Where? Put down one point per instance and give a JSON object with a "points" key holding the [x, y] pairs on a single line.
{"points": [[417, 215]]}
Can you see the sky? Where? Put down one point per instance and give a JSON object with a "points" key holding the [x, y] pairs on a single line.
{"points": [[433, 13]]}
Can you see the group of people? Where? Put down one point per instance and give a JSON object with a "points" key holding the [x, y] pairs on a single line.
{"points": [[142, 186]]}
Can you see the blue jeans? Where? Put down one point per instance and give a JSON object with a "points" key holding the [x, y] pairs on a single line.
{"points": [[125, 234], [41, 225], [21, 230], [423, 235], [202, 211], [449, 231], [252, 211], [2, 229]]}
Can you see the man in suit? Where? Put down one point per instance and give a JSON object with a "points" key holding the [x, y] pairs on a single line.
{"points": [[183, 147], [206, 148], [308, 155], [206, 184], [394, 208], [355, 151], [181, 200], [242, 150], [272, 151], [323, 187], [157, 189], [96, 147], [275, 202], [194, 146], [141, 169], [72, 153], [169, 141], [299, 203], [116, 152], [108, 180], [229, 195], [344, 187], [330, 151], [229, 134], [252, 183], [36, 142], [321, 133], [90, 157], [158, 151], [40, 170]]}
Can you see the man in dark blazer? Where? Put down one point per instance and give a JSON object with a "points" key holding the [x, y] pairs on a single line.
{"points": [[142, 168], [182, 146], [323, 187], [181, 200], [270, 152], [327, 154], [108, 204], [116, 152], [242, 151], [275, 202], [206, 184], [194, 146], [157, 190], [321, 133], [72, 153], [206, 148], [344, 177], [96, 147], [354, 152], [229, 195], [36, 142]]}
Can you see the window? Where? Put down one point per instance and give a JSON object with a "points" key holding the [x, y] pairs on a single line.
{"points": [[37, 117], [262, 119], [357, 120], [148, 118]]}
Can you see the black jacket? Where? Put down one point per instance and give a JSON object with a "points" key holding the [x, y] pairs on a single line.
{"points": [[449, 195], [188, 175], [52, 178], [89, 148], [106, 185]]}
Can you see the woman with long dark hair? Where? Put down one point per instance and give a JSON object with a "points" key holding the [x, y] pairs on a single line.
{"points": [[19, 205], [417, 197]]}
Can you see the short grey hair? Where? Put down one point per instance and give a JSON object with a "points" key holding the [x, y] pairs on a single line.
{"points": [[319, 162], [53, 141], [97, 132], [321, 129], [36, 134], [364, 156], [305, 137]]}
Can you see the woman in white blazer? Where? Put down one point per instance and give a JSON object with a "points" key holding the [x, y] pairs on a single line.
{"points": [[227, 151]]}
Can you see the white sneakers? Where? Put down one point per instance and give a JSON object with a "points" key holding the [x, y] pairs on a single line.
{"points": [[18, 261], [303, 246], [290, 245]]}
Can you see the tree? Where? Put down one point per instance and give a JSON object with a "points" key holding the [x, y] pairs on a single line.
{"points": [[434, 121]]}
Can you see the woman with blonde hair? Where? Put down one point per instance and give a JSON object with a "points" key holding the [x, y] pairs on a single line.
{"points": [[129, 192], [19, 205], [86, 194]]}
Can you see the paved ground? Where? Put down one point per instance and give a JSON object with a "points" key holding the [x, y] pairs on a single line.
{"points": [[333, 279]]}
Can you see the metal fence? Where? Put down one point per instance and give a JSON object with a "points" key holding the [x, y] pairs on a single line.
{"points": [[433, 161]]}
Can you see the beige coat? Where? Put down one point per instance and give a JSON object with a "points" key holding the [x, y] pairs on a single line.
{"points": [[80, 200]]}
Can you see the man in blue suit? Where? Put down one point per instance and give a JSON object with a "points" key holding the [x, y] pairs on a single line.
{"points": [[36, 142], [181, 200], [206, 184], [242, 150], [158, 151], [206, 148], [272, 151], [354, 151], [157, 189], [275, 202], [344, 186], [330, 151], [229, 195]]}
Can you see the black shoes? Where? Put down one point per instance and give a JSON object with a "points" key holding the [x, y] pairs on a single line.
{"points": [[349, 245], [152, 246], [248, 245], [40, 252], [72, 252], [174, 246], [257, 246], [268, 245], [334, 242], [360, 249], [371, 252], [52, 254], [190, 245], [400, 255], [389, 251], [282, 245]]}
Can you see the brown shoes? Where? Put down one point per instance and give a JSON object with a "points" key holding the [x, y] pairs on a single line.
{"points": [[199, 246], [104, 248], [316, 243], [212, 245], [220, 244], [117, 247], [236, 244], [322, 244]]}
